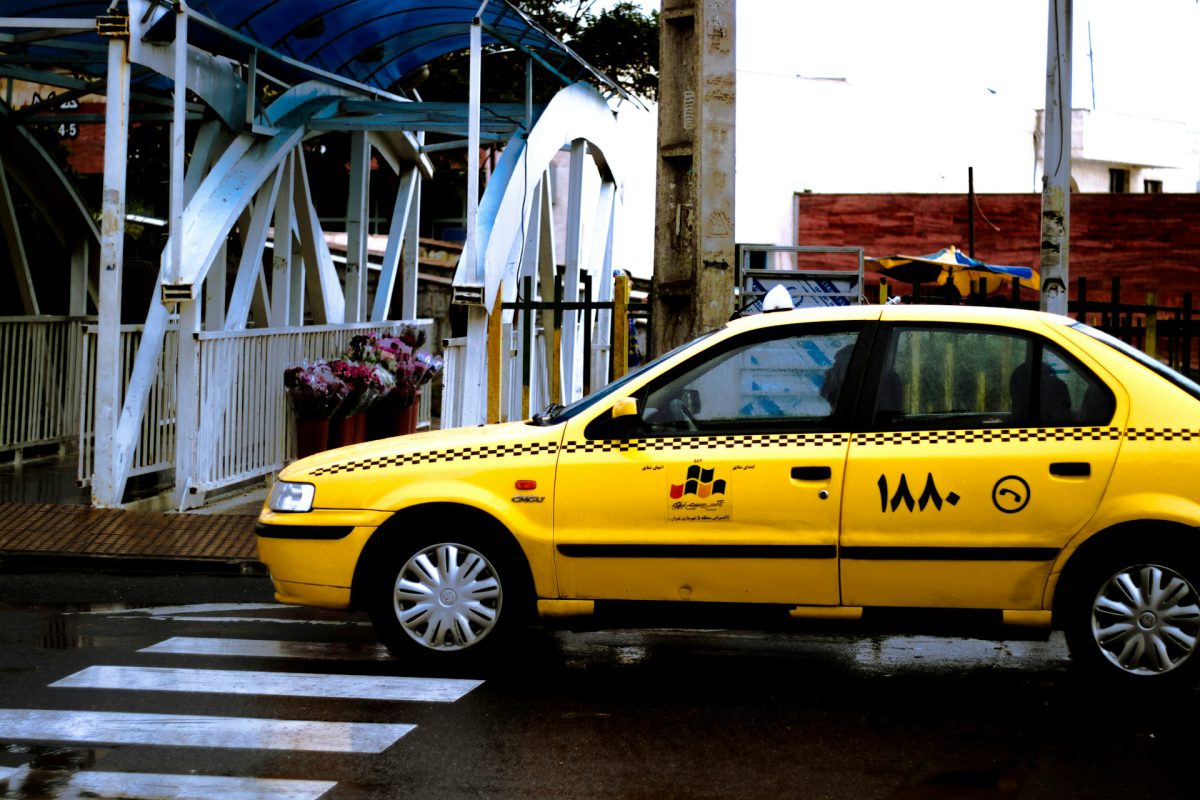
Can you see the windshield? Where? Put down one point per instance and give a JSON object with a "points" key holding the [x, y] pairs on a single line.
{"points": [[555, 413], [1183, 382]]}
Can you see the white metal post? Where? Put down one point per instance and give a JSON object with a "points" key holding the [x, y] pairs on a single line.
{"points": [[187, 412], [572, 383], [178, 145], [357, 227], [281, 258], [107, 487], [1056, 160], [474, 391], [398, 229]]}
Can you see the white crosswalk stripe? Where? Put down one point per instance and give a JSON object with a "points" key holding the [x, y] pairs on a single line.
{"points": [[106, 728], [268, 648], [180, 730], [282, 684], [139, 785]]}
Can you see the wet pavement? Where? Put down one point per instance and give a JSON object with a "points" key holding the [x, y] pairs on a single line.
{"points": [[610, 713]]}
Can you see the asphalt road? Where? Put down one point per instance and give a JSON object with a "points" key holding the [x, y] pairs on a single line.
{"points": [[190, 686]]}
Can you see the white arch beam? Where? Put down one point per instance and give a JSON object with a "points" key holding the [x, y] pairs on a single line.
{"points": [[249, 272], [323, 289], [577, 112], [229, 187]]}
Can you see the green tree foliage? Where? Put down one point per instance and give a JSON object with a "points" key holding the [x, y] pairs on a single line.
{"points": [[621, 42]]}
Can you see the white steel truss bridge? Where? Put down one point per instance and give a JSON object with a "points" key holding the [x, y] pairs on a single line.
{"points": [[247, 281]]}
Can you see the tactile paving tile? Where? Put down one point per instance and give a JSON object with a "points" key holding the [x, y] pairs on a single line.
{"points": [[76, 530]]}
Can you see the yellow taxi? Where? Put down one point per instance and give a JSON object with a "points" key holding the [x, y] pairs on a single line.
{"points": [[808, 463]]}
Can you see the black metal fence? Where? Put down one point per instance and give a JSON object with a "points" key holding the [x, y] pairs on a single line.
{"points": [[1167, 333]]}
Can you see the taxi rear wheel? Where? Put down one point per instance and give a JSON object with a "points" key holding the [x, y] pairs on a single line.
{"points": [[453, 599], [1137, 619]]}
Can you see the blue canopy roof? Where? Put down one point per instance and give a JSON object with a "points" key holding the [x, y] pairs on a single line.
{"points": [[378, 42], [370, 42]]}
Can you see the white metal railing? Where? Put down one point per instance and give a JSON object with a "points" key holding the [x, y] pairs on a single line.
{"points": [[155, 450], [246, 428], [39, 380]]}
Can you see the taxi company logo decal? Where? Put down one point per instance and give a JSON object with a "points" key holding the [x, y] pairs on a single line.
{"points": [[904, 496], [699, 482], [696, 499]]}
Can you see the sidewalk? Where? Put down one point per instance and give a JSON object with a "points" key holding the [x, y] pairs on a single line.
{"points": [[49, 536], [47, 524]]}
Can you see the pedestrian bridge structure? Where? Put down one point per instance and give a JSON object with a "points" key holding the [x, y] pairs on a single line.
{"points": [[243, 91]]}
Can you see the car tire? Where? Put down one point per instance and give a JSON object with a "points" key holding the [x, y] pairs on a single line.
{"points": [[1136, 619], [449, 599]]}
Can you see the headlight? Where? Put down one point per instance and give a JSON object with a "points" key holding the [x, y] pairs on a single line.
{"points": [[291, 497]]}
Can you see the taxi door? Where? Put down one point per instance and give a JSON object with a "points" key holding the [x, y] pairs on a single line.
{"points": [[981, 452], [727, 485]]}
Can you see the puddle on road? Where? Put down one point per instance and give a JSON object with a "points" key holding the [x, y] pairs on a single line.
{"points": [[45, 771], [935, 653], [60, 624], [62, 633]]}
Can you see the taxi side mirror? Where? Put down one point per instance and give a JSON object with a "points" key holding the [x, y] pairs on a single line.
{"points": [[625, 418], [625, 407]]}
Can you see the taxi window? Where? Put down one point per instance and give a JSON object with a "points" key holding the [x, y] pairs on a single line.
{"points": [[1070, 394], [782, 383], [979, 378]]}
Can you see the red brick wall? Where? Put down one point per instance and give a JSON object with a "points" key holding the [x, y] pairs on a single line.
{"points": [[1150, 241]]}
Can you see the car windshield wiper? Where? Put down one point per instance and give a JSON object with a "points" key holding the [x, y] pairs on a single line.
{"points": [[547, 416]]}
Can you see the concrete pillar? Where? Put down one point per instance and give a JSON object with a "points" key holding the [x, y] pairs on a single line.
{"points": [[107, 485], [1056, 157], [695, 268]]}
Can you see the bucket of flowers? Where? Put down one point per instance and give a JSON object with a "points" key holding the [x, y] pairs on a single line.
{"points": [[316, 395], [367, 382], [411, 369]]}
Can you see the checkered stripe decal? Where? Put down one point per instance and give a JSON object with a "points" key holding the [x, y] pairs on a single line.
{"points": [[986, 435], [1003, 435], [1165, 434], [706, 443], [441, 456]]}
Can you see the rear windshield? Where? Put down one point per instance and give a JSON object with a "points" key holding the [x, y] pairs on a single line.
{"points": [[1184, 383]]}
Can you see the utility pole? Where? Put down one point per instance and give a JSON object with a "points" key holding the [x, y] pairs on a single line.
{"points": [[1056, 161], [695, 267]]}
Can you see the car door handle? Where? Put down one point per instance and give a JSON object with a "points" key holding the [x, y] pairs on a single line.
{"points": [[1071, 469], [811, 473]]}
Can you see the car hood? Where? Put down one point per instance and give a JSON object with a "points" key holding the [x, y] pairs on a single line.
{"points": [[506, 433]]}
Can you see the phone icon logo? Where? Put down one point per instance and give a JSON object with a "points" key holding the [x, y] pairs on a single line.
{"points": [[1010, 494]]}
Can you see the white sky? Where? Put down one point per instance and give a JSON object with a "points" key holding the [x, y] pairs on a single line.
{"points": [[1146, 55], [920, 62]]}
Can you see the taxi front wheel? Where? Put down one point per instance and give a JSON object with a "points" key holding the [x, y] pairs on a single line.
{"points": [[449, 599], [1137, 619]]}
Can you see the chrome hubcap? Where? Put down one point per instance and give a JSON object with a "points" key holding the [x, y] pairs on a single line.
{"points": [[1146, 620], [447, 597]]}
